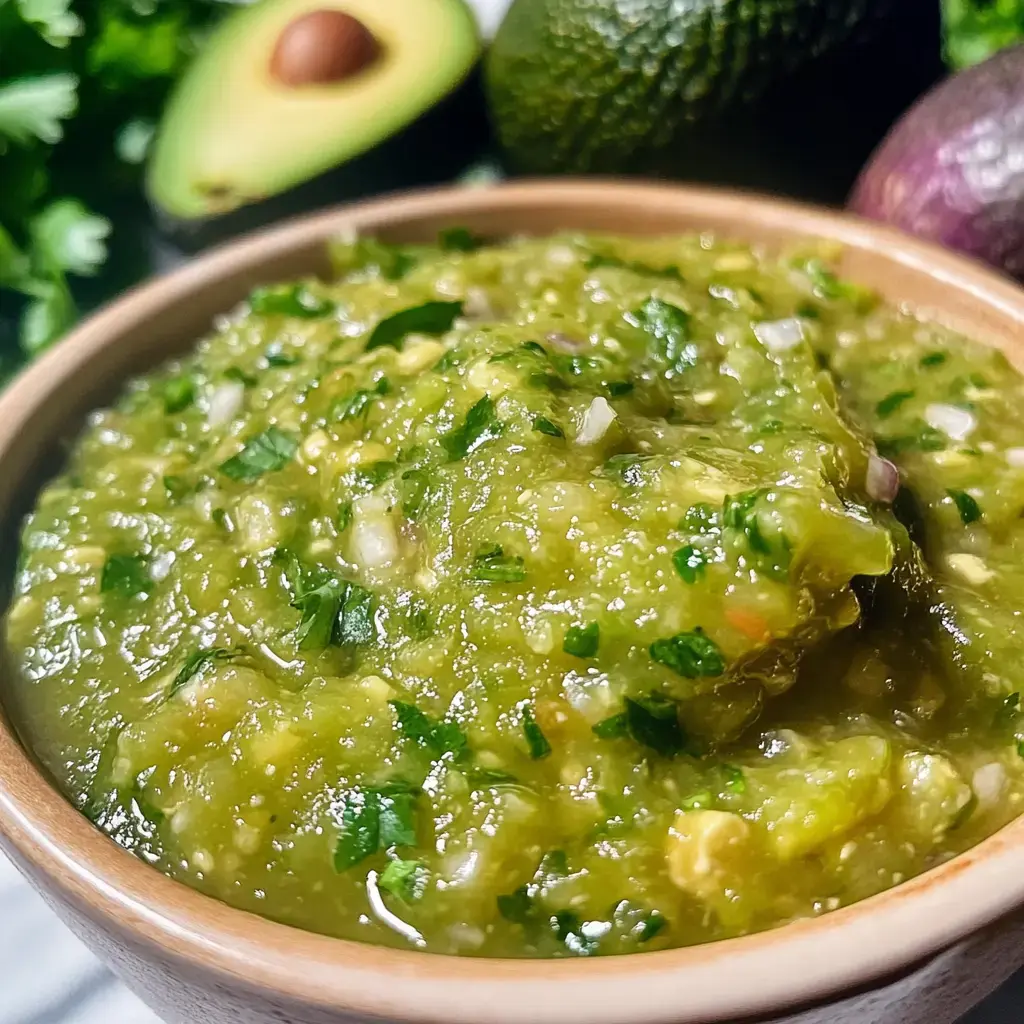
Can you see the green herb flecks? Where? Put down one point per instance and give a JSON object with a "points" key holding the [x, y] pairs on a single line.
{"points": [[265, 453], [290, 300], [179, 393], [126, 575], [545, 426], [404, 879], [517, 906], [334, 611], [669, 328], [492, 565], [582, 641], [692, 655], [350, 407], [892, 401], [613, 728], [375, 819], [440, 738], [415, 488], [480, 426], [933, 359], [653, 721], [277, 357], [735, 780], [196, 662], [690, 563], [432, 318], [967, 506], [536, 742]]}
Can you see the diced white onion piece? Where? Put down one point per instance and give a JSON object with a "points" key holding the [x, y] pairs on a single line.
{"points": [[971, 567], [565, 343], [477, 304], [225, 401], [596, 421], [374, 540], [779, 335], [954, 422], [160, 567], [988, 782], [883, 479], [1015, 457]]}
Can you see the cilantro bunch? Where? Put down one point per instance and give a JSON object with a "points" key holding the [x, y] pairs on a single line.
{"points": [[973, 30], [82, 83]]}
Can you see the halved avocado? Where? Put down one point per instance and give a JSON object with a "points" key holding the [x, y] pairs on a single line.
{"points": [[287, 89]]}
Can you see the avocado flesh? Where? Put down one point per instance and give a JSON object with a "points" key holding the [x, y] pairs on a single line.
{"points": [[233, 134], [578, 85]]}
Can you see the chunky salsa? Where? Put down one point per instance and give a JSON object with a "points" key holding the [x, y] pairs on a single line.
{"points": [[548, 598]]}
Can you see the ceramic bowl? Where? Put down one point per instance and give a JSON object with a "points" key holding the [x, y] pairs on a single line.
{"points": [[921, 952]]}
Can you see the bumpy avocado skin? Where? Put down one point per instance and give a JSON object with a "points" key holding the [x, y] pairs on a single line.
{"points": [[614, 85]]}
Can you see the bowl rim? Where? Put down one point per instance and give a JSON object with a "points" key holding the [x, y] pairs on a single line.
{"points": [[764, 973]]}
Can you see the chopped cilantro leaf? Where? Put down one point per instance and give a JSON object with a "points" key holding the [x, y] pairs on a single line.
{"points": [[612, 728], [178, 487], [404, 879], [439, 738], [618, 388], [480, 425], [126, 575], [196, 662], [289, 300], [627, 467], [516, 906], [375, 819], [355, 622], [179, 393], [264, 453], [429, 318], [276, 357], [697, 801], [320, 606], [237, 373], [690, 563], [344, 516], [459, 240], [734, 778], [582, 641], [350, 407], [653, 721], [933, 359], [692, 655], [415, 491], [669, 328], [892, 401], [488, 777], [544, 426], [926, 439], [650, 926], [370, 477], [492, 565], [969, 509], [370, 254], [536, 742]]}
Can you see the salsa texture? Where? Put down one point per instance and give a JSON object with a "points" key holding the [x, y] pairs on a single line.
{"points": [[544, 598]]}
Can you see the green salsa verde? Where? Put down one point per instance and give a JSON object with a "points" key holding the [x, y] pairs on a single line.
{"points": [[547, 598]]}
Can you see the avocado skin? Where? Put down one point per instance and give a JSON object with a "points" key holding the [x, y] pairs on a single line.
{"points": [[434, 148], [698, 87]]}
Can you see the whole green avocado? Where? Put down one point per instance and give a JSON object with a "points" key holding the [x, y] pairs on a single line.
{"points": [[610, 85]]}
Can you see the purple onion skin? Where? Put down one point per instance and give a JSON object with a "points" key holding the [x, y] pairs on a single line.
{"points": [[952, 168]]}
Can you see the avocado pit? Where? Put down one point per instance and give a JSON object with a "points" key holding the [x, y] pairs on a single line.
{"points": [[321, 48]]}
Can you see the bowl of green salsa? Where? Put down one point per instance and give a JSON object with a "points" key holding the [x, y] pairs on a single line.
{"points": [[463, 606]]}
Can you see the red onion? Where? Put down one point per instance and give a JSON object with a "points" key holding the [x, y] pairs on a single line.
{"points": [[882, 480]]}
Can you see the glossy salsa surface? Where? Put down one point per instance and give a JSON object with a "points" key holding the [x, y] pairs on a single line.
{"points": [[544, 598]]}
